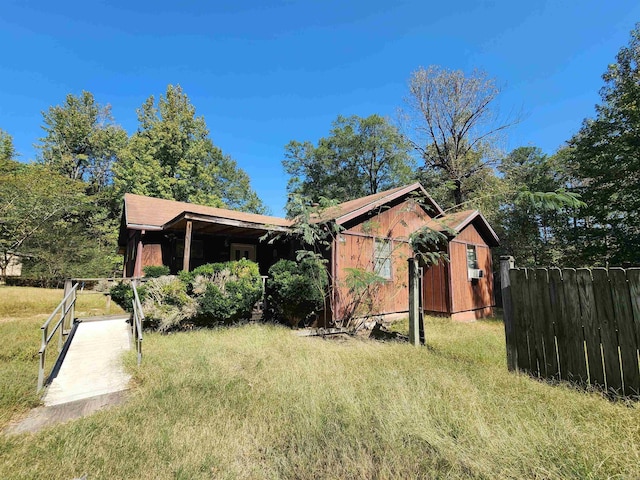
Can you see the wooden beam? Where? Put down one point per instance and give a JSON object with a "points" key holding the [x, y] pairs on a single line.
{"points": [[187, 246], [225, 221], [414, 302], [506, 264], [137, 269]]}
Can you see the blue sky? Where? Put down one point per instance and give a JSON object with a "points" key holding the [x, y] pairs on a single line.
{"points": [[266, 72]]}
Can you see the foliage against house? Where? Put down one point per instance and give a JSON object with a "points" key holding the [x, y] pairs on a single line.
{"points": [[368, 253]]}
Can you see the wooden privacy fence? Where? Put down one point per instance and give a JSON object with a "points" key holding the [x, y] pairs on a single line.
{"points": [[580, 325]]}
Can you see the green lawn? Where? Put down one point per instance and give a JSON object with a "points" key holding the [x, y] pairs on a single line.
{"points": [[257, 401]]}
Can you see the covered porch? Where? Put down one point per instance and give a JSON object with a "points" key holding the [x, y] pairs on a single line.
{"points": [[190, 239]]}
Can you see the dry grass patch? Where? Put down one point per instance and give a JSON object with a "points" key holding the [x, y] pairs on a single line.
{"points": [[22, 312], [258, 402]]}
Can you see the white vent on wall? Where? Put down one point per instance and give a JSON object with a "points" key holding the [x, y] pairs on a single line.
{"points": [[476, 273]]}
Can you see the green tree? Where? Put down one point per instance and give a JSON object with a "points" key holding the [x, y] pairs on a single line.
{"points": [[34, 203], [171, 156], [530, 230], [361, 156], [452, 123], [7, 153], [605, 156], [81, 140]]}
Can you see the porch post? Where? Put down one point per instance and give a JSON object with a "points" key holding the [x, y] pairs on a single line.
{"points": [[137, 269], [187, 246]]}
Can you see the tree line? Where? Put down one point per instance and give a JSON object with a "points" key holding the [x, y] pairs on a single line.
{"points": [[61, 213], [578, 206]]}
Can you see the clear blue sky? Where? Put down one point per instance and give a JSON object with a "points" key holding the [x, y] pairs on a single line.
{"points": [[266, 72]]}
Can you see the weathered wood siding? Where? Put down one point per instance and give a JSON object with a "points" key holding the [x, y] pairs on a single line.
{"points": [[152, 255], [435, 288], [470, 295], [355, 250]]}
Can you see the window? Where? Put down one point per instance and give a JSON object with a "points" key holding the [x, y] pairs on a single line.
{"points": [[472, 257], [382, 258]]}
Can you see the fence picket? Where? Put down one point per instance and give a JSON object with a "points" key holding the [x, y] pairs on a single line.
{"points": [[608, 334], [534, 314], [626, 332], [633, 277], [545, 320], [573, 365], [591, 329], [518, 282]]}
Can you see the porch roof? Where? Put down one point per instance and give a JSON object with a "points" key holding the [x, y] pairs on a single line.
{"points": [[222, 225], [148, 213]]}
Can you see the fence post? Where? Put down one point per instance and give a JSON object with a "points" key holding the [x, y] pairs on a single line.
{"points": [[414, 302], [507, 262]]}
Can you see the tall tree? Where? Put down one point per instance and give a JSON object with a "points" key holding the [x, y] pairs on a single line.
{"points": [[34, 202], [530, 230], [361, 156], [7, 153], [81, 140], [171, 156], [605, 155], [452, 123]]}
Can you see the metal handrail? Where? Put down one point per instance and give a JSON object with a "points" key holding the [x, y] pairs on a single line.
{"points": [[64, 307], [136, 321]]}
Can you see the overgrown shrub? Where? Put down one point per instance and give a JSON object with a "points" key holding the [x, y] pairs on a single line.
{"points": [[122, 294], [208, 295], [296, 290], [155, 271], [225, 292], [167, 304]]}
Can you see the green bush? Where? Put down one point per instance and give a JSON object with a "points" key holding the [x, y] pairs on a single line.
{"points": [[210, 294], [155, 271], [296, 290], [122, 294], [225, 292]]}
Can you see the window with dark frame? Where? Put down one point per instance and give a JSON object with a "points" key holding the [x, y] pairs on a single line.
{"points": [[382, 258], [472, 257]]}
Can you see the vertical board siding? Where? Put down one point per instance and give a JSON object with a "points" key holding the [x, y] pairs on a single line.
{"points": [[578, 325], [434, 288], [469, 294]]}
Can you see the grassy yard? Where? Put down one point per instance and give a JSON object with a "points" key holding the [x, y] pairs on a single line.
{"points": [[23, 310], [256, 401]]}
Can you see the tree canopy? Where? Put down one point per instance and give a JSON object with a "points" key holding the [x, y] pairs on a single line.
{"points": [[451, 122], [359, 157], [605, 156], [81, 140], [34, 201], [172, 156]]}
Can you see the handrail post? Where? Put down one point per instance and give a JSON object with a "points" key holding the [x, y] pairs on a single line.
{"points": [[66, 305], [72, 312], [41, 355]]}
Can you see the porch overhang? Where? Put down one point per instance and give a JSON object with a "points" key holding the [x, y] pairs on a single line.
{"points": [[216, 225]]}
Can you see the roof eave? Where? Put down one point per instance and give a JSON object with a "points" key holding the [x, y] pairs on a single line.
{"points": [[223, 221], [386, 199]]}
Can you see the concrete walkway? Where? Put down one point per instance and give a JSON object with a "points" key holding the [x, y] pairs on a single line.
{"points": [[93, 364]]}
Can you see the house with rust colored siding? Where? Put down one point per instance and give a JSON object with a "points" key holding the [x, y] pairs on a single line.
{"points": [[374, 237]]}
